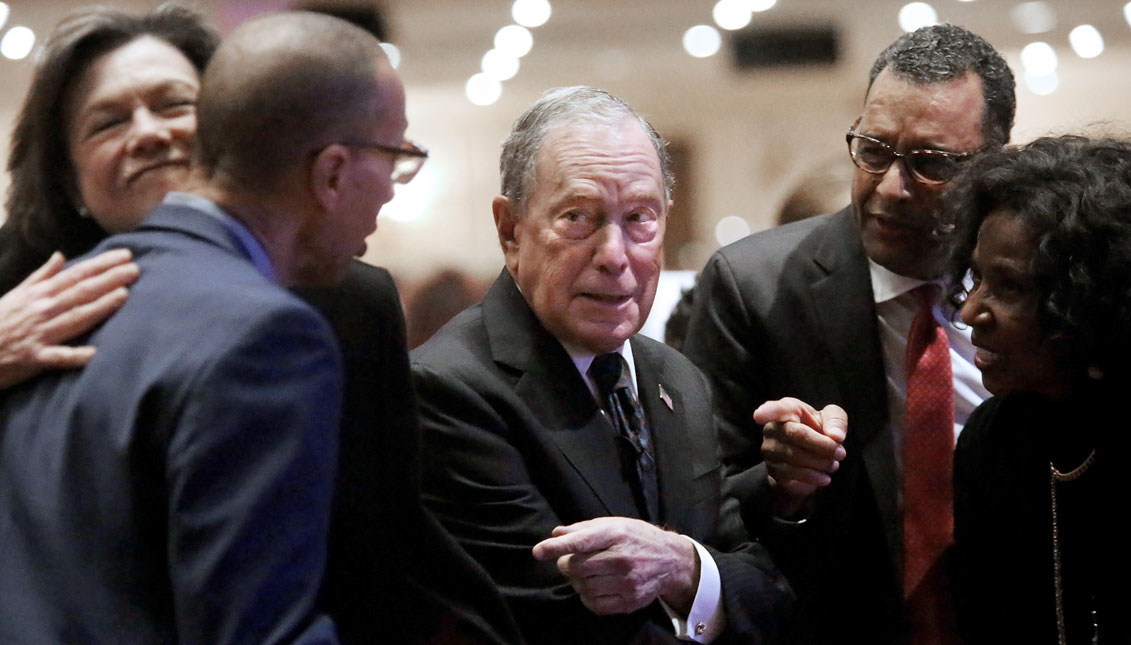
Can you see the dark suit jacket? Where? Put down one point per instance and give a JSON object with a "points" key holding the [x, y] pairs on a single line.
{"points": [[514, 445], [178, 487], [1005, 588], [393, 575], [790, 312]]}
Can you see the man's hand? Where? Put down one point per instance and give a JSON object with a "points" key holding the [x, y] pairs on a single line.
{"points": [[801, 447], [618, 564], [54, 305]]}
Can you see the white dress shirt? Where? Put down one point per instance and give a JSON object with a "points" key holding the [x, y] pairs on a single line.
{"points": [[706, 619]]}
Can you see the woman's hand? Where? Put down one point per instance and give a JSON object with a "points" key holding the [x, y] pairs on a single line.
{"points": [[54, 305]]}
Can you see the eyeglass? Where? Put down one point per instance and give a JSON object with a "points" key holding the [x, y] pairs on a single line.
{"points": [[407, 159], [926, 166]]}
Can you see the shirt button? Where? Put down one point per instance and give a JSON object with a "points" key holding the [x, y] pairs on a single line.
{"points": [[700, 628]]}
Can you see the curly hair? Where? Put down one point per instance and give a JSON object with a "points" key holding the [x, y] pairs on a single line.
{"points": [[39, 199], [940, 53], [1073, 195]]}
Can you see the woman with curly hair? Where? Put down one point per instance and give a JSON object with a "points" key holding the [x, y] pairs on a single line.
{"points": [[1045, 234]]}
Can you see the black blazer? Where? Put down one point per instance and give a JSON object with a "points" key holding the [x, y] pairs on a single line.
{"points": [[790, 312], [514, 445], [393, 574]]}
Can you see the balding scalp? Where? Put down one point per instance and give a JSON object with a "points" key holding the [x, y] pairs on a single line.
{"points": [[278, 89]]}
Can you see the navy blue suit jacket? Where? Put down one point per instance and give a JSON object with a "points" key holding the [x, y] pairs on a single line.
{"points": [[178, 488]]}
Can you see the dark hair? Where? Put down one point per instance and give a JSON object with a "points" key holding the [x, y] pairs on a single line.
{"points": [[940, 53], [39, 198], [279, 87], [1073, 195]]}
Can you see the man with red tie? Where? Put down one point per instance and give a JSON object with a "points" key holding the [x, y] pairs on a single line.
{"points": [[844, 310]]}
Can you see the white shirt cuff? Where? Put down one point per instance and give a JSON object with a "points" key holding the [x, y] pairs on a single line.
{"points": [[706, 619]]}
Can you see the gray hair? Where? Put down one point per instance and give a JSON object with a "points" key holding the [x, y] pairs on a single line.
{"points": [[940, 53], [565, 106]]}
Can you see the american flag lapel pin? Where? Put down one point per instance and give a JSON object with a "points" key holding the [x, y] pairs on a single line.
{"points": [[665, 398]]}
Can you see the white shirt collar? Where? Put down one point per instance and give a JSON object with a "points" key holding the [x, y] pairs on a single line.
{"points": [[583, 358], [888, 285]]}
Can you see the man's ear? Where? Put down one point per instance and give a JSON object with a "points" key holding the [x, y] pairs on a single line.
{"points": [[506, 224], [327, 176]]}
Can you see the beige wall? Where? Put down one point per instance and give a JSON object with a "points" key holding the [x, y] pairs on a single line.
{"points": [[752, 135]]}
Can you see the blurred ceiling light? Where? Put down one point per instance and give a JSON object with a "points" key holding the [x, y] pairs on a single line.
{"points": [[760, 5], [1033, 17], [515, 40], [917, 14], [499, 66], [17, 43], [4, 11], [731, 229], [1039, 59], [1086, 41], [393, 53], [1043, 84], [1127, 13], [702, 41], [531, 13], [483, 90], [731, 14]]}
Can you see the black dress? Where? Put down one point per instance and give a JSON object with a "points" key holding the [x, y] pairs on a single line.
{"points": [[1005, 582]]}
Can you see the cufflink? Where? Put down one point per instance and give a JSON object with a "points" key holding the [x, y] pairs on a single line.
{"points": [[700, 628]]}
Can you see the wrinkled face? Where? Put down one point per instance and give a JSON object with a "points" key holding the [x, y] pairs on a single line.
{"points": [[896, 213], [587, 251], [331, 239], [129, 124], [1013, 353]]}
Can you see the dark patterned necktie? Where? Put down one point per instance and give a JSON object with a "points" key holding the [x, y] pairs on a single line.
{"points": [[611, 376]]}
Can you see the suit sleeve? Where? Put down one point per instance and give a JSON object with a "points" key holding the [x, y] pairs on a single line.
{"points": [[393, 573], [975, 606], [723, 340], [477, 484], [755, 596], [250, 470]]}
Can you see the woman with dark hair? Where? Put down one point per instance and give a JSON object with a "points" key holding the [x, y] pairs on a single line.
{"points": [[1045, 233], [105, 131]]}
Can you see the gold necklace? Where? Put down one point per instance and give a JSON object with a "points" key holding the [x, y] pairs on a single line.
{"points": [[1055, 477]]}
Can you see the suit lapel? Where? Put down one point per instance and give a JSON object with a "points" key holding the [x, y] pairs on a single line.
{"points": [[845, 306], [556, 395]]}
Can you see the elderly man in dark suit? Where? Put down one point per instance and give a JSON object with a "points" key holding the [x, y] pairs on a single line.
{"points": [[843, 309], [575, 460], [179, 487]]}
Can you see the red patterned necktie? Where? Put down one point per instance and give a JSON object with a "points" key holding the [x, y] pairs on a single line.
{"points": [[928, 452]]}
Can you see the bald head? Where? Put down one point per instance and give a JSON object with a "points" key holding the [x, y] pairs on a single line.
{"points": [[278, 89]]}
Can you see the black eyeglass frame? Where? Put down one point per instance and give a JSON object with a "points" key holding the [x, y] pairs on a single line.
{"points": [[407, 158], [907, 158]]}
